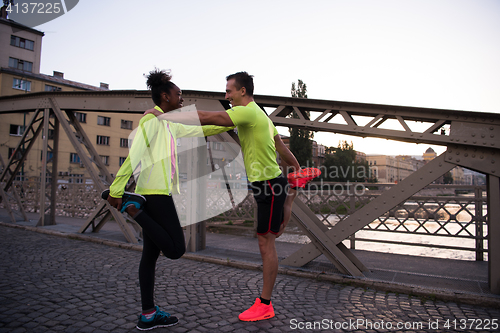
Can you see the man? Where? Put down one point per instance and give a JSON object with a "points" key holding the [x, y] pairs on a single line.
{"points": [[259, 142]]}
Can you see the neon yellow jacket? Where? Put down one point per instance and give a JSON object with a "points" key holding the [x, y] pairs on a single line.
{"points": [[149, 156]]}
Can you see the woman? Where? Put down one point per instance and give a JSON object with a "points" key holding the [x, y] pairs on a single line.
{"points": [[153, 151]]}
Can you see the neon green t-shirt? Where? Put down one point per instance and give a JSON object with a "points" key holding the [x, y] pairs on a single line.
{"points": [[256, 132], [150, 156]]}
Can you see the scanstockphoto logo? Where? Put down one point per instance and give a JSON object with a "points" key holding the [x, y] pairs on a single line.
{"points": [[33, 13]]}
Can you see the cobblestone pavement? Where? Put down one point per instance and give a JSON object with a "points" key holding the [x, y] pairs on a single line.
{"points": [[55, 284]]}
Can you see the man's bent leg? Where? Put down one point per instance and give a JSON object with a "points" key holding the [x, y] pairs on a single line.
{"points": [[287, 210], [269, 256]]}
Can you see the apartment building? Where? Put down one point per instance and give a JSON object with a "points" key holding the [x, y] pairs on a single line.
{"points": [[389, 169], [20, 58]]}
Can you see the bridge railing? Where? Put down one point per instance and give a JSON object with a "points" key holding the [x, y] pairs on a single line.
{"points": [[74, 199], [440, 216], [447, 216]]}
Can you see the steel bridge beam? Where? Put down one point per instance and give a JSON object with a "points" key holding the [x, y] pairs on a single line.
{"points": [[477, 129], [78, 138], [493, 184]]}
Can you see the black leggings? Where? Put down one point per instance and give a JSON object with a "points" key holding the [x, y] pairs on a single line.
{"points": [[162, 232]]}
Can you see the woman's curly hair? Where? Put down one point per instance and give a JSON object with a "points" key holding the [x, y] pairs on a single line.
{"points": [[159, 82]]}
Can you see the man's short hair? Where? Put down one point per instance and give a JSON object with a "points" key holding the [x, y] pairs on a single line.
{"points": [[242, 79]]}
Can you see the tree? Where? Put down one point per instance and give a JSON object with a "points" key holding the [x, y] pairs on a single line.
{"points": [[300, 91], [341, 165], [300, 139], [5, 6], [448, 178]]}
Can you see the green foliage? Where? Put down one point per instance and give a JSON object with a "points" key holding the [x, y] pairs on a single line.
{"points": [[448, 178], [335, 207], [341, 165], [300, 91], [300, 139]]}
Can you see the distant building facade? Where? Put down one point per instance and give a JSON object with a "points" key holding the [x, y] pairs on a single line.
{"points": [[318, 154], [474, 178], [457, 173], [389, 169], [318, 151], [429, 155]]}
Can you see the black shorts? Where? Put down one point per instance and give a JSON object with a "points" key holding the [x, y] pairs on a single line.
{"points": [[270, 196]]}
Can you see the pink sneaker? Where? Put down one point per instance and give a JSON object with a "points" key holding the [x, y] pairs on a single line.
{"points": [[303, 176], [258, 311]]}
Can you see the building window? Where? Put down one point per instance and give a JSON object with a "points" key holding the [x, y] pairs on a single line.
{"points": [[22, 65], [104, 159], [104, 121], [75, 178], [21, 84], [124, 143], [22, 43], [81, 117], [19, 176], [48, 87], [18, 155], [16, 130], [126, 124], [122, 160], [50, 155], [103, 140], [74, 158], [217, 146]]}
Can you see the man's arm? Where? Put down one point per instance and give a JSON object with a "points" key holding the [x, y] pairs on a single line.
{"points": [[219, 118], [285, 153], [287, 156]]}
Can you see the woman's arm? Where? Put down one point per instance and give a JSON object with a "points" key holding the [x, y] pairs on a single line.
{"points": [[118, 186]]}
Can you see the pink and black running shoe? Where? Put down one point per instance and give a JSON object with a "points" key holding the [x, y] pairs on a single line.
{"points": [[302, 177]]}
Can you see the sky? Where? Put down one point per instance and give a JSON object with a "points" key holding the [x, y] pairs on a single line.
{"points": [[424, 53]]}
